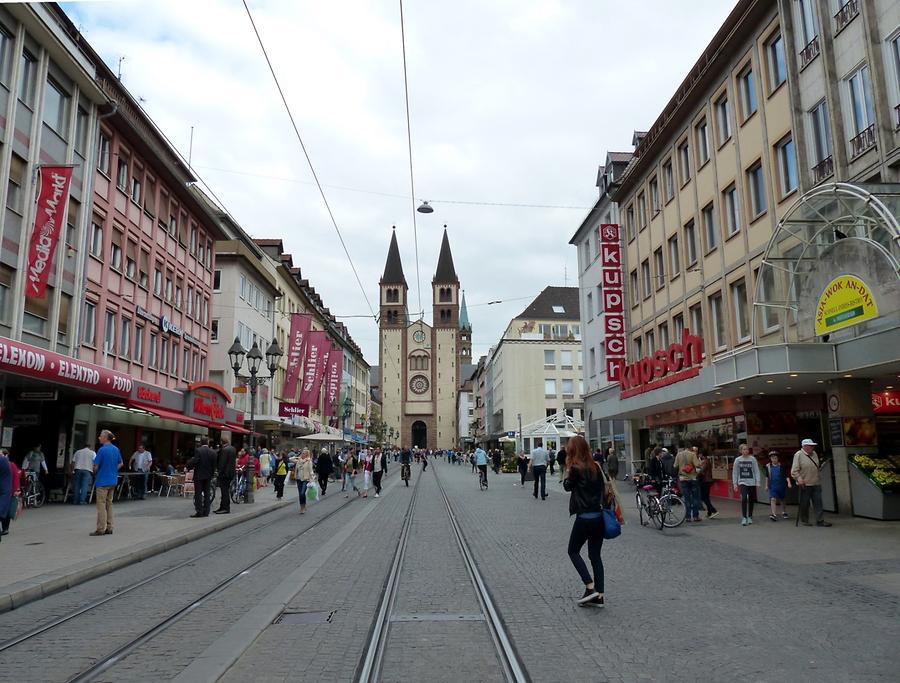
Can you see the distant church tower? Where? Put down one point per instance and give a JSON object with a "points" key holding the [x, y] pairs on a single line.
{"points": [[420, 363], [465, 336]]}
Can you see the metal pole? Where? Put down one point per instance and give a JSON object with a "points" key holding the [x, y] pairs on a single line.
{"points": [[251, 461], [520, 444]]}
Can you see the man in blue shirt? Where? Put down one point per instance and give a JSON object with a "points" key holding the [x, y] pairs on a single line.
{"points": [[481, 463], [107, 464]]}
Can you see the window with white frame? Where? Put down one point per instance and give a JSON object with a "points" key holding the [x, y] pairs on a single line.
{"points": [[787, 166], [756, 190], [723, 119], [96, 240], [660, 268], [747, 88], [696, 319], [568, 388], [642, 210], [138, 353], [647, 280], [90, 323], [777, 64], [684, 162], [164, 355], [710, 233], [669, 179], [122, 173], [550, 388], [820, 131], [174, 366], [701, 134], [103, 155], [565, 359], [809, 21], [152, 350], [718, 321], [638, 348], [549, 358], [56, 107], [635, 290], [770, 317], [741, 310], [186, 364], [678, 326], [862, 106], [732, 210], [125, 337], [674, 257], [651, 343], [690, 243], [109, 332], [663, 335], [654, 195]]}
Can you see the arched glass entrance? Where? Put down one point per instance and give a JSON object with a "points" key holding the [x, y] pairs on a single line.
{"points": [[831, 270], [419, 434]]}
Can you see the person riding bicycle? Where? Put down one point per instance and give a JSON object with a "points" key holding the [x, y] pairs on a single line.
{"points": [[481, 463], [405, 461]]}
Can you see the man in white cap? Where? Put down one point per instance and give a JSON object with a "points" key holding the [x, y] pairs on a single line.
{"points": [[805, 471]]}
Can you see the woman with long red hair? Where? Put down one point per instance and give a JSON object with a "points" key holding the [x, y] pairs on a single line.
{"points": [[590, 492]]}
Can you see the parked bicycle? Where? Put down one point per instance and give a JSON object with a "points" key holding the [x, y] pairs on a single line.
{"points": [[33, 493], [239, 486], [664, 509]]}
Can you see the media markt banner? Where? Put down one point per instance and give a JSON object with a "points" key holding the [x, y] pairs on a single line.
{"points": [[846, 301], [49, 214]]}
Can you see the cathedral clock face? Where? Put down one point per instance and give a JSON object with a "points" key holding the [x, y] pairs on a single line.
{"points": [[419, 337], [419, 384]]}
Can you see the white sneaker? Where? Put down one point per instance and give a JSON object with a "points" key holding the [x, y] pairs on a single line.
{"points": [[377, 496], [749, 520], [743, 521]]}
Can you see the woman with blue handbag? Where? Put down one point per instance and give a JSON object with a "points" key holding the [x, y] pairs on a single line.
{"points": [[591, 495]]}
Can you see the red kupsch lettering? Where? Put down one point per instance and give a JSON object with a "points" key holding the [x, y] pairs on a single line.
{"points": [[685, 356]]}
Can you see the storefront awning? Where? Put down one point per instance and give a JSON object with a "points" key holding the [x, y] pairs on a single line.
{"points": [[172, 415], [236, 429]]}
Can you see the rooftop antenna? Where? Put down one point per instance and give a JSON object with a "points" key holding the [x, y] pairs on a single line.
{"points": [[121, 59]]}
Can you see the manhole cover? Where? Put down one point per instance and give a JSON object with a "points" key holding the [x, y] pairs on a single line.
{"points": [[300, 618]]}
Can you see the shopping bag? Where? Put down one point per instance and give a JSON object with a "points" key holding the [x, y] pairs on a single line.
{"points": [[14, 508], [312, 492]]}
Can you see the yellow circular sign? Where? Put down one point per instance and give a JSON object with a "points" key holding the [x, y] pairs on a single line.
{"points": [[846, 301]]}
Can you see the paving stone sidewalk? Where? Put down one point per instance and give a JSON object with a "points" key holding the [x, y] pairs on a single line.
{"points": [[49, 548]]}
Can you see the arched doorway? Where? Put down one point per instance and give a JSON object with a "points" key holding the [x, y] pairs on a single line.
{"points": [[419, 434]]}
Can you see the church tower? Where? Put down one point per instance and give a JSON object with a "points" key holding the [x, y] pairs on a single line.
{"points": [[392, 322], [445, 334], [464, 357]]}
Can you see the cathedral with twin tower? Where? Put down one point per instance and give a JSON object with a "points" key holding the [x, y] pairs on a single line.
{"points": [[421, 364]]}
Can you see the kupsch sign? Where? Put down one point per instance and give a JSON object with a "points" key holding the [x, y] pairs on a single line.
{"points": [[681, 360], [613, 302], [845, 302]]}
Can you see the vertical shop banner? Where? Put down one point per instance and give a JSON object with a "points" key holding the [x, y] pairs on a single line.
{"points": [[327, 351], [49, 213], [300, 323], [317, 345], [333, 376], [613, 300]]}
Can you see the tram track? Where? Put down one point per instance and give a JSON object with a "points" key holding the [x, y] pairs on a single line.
{"points": [[174, 616], [373, 657]]}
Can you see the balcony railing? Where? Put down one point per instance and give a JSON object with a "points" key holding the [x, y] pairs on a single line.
{"points": [[845, 14], [810, 52], [865, 140], [824, 169]]}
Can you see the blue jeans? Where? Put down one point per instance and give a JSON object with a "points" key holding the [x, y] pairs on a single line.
{"points": [[690, 490], [82, 486], [301, 489]]}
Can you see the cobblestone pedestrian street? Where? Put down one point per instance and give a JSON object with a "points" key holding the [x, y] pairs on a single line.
{"points": [[706, 602]]}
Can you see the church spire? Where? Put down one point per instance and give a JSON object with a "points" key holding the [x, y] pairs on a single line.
{"points": [[445, 273], [393, 268], [464, 323]]}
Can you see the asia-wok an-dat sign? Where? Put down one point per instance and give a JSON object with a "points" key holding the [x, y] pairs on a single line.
{"points": [[845, 301], [49, 213], [681, 360], [613, 301]]}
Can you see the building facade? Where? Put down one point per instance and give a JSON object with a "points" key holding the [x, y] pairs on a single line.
{"points": [[761, 247], [420, 363]]}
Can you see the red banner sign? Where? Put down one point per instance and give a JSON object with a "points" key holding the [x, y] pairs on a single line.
{"points": [[31, 361], [296, 344], [313, 367], [333, 374], [886, 402], [291, 409], [680, 361], [613, 300], [49, 213]]}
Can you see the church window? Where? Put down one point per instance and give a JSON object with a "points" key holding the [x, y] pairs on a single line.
{"points": [[445, 294]]}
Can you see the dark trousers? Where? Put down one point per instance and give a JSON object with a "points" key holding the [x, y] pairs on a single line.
{"points": [[811, 494], [376, 479], [323, 483], [540, 473], [279, 485], [588, 531], [522, 472], [140, 485], [748, 498], [705, 487], [225, 490], [551, 464], [201, 497]]}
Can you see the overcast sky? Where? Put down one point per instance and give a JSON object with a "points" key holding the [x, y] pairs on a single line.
{"points": [[512, 101]]}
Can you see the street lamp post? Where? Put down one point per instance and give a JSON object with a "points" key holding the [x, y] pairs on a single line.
{"points": [[236, 354], [348, 411]]}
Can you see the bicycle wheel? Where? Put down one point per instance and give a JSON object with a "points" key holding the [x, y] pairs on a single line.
{"points": [[654, 509], [639, 502], [233, 492], [674, 510], [40, 495]]}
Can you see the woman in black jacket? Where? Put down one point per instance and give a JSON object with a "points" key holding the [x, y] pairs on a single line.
{"points": [[589, 493]]}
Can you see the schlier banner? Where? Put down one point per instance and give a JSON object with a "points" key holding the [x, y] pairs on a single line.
{"points": [[296, 345], [317, 346], [333, 375], [49, 214]]}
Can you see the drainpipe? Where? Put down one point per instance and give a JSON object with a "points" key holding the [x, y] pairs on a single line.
{"points": [[86, 223]]}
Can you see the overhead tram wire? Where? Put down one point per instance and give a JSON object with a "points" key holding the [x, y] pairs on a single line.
{"points": [[308, 160], [412, 184]]}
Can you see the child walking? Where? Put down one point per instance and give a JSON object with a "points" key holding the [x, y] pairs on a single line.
{"points": [[779, 483]]}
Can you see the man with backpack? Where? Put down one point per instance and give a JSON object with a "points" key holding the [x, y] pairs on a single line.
{"points": [[687, 465]]}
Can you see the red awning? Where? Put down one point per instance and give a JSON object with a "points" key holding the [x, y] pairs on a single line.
{"points": [[237, 429], [171, 415]]}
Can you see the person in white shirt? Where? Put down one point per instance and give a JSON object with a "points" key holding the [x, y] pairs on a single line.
{"points": [[745, 477], [140, 463], [83, 468]]}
